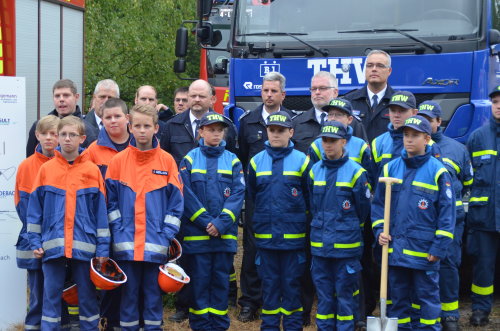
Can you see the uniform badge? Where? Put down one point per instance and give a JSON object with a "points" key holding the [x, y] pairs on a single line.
{"points": [[346, 204], [227, 192], [368, 194], [295, 192], [448, 193], [423, 204]]}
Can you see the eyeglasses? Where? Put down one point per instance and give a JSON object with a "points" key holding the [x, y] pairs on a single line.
{"points": [[180, 100], [71, 135], [378, 65], [321, 88]]}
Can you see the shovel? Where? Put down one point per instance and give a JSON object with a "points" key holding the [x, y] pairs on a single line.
{"points": [[383, 323]]}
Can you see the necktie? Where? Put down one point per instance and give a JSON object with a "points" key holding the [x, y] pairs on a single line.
{"points": [[323, 115], [101, 126], [196, 129], [375, 101]]}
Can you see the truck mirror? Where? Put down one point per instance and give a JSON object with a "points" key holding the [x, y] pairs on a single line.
{"points": [[494, 36], [216, 38], [205, 33], [181, 42], [179, 66]]}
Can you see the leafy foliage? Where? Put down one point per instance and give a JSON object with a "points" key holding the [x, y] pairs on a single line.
{"points": [[133, 43]]}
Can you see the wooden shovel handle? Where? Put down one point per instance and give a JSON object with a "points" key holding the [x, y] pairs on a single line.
{"points": [[389, 181]]}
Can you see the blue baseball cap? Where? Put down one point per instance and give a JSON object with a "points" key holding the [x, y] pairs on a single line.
{"points": [[495, 91], [211, 118], [418, 123], [403, 99], [340, 104], [430, 108], [280, 118], [333, 129]]}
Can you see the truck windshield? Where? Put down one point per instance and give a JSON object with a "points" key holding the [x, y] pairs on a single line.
{"points": [[325, 20]]}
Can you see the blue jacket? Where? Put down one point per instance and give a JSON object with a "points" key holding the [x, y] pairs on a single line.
{"points": [[340, 202], [457, 161], [422, 211], [277, 182], [214, 190], [485, 192], [389, 145], [357, 149], [145, 203], [67, 210]]}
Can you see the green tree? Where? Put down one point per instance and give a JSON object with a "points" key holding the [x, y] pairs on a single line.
{"points": [[133, 43]]}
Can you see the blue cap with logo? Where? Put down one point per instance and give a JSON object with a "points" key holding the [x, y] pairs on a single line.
{"points": [[340, 104], [430, 108], [495, 91], [418, 123], [211, 118], [333, 129], [280, 118], [403, 99]]}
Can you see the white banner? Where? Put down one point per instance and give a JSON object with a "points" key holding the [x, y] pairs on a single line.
{"points": [[12, 152]]}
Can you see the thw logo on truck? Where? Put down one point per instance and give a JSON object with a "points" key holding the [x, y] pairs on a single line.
{"points": [[341, 68]]}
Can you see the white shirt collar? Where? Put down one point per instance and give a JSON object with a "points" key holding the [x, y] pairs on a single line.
{"points": [[98, 120], [318, 113], [265, 114], [380, 94], [192, 118]]}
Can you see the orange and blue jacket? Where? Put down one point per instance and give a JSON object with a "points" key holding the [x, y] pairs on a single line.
{"points": [[100, 152], [26, 174], [145, 203], [67, 210]]}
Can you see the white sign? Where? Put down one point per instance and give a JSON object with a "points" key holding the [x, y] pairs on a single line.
{"points": [[12, 153]]}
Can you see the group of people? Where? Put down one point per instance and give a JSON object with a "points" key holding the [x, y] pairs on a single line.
{"points": [[123, 184]]}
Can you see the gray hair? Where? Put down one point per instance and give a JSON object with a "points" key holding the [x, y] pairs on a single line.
{"points": [[108, 84], [379, 51], [326, 74], [274, 76]]}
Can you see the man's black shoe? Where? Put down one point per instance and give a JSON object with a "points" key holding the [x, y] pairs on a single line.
{"points": [[450, 323], [179, 316], [246, 314], [479, 318]]}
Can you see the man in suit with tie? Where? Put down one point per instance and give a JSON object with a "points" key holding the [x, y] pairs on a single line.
{"points": [[104, 90]]}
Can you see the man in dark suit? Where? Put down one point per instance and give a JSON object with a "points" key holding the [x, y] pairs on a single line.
{"points": [[104, 90], [372, 100]]}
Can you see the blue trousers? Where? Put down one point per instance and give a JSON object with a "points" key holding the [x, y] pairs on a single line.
{"points": [[55, 271], [483, 246], [280, 272], [335, 280], [209, 273], [420, 285], [141, 276], [34, 315]]}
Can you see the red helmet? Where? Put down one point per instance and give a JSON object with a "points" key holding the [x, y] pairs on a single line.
{"points": [[70, 294], [172, 277], [174, 251], [106, 276]]}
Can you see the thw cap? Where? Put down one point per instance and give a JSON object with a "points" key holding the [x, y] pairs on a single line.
{"points": [[429, 108], [340, 104], [211, 118], [418, 123], [495, 91], [280, 118], [403, 99], [333, 129]]}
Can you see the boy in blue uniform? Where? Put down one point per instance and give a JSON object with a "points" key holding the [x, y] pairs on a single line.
{"points": [[340, 202], [457, 161], [422, 225], [214, 190], [277, 182], [483, 220]]}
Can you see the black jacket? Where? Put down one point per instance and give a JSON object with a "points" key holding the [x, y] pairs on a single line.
{"points": [[177, 137], [307, 129], [90, 132], [90, 119], [253, 134], [375, 122]]}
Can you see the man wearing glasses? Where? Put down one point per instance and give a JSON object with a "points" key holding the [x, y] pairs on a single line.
{"points": [[307, 125], [373, 99]]}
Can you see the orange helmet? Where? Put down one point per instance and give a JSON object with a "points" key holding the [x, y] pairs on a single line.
{"points": [[106, 276], [70, 294], [174, 251], [172, 277]]}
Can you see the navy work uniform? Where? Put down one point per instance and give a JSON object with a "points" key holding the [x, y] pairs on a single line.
{"points": [[422, 224], [483, 220], [340, 202], [214, 190], [277, 182], [457, 161]]}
